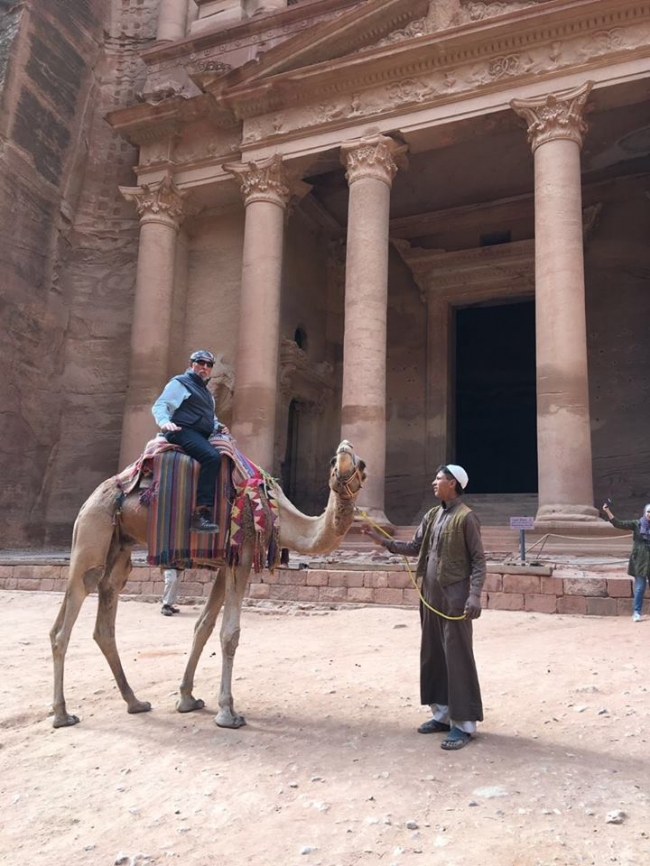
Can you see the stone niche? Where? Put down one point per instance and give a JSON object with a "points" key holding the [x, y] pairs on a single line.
{"points": [[306, 388]]}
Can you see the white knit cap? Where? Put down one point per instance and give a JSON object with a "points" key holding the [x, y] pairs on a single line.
{"points": [[459, 474]]}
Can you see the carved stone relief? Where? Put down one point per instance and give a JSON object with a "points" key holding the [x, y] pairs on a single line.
{"points": [[311, 385], [577, 47]]}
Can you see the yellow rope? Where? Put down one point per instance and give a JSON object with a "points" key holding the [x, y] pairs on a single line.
{"points": [[410, 571]]}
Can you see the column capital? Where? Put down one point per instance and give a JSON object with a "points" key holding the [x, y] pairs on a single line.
{"points": [[378, 157], [555, 116], [264, 180], [159, 202]]}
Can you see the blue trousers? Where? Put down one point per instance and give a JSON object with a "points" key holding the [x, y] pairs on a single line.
{"points": [[639, 592], [197, 446]]}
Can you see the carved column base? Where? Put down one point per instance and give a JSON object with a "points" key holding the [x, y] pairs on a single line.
{"points": [[571, 519]]}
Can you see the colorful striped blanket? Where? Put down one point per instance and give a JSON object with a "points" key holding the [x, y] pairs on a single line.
{"points": [[245, 507]]}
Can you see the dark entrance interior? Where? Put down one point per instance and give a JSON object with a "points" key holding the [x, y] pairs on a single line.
{"points": [[496, 414], [289, 464]]}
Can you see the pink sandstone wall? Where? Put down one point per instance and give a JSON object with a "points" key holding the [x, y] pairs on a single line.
{"points": [[46, 98], [97, 276], [306, 302], [212, 309], [617, 267], [406, 477]]}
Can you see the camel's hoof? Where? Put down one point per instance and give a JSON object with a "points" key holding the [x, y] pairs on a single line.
{"points": [[229, 720], [65, 721], [139, 707], [189, 704]]}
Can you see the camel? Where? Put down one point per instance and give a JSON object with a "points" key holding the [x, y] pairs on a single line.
{"points": [[101, 560]]}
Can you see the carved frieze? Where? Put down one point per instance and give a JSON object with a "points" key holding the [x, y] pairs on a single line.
{"points": [[442, 76], [555, 116], [481, 11]]}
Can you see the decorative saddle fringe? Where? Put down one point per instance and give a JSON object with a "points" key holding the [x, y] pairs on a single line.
{"points": [[255, 511]]}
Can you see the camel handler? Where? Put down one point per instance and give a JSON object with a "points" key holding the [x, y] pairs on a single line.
{"points": [[451, 568], [185, 414]]}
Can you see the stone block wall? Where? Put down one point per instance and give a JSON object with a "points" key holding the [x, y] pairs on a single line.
{"points": [[566, 591]]}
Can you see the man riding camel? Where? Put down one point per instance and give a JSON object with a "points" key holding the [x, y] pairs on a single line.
{"points": [[185, 413]]}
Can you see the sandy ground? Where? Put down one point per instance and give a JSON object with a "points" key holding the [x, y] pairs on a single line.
{"points": [[330, 770]]}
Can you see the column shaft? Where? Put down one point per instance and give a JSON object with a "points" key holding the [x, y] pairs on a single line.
{"points": [[160, 206], [563, 421], [371, 167], [254, 405], [150, 335], [363, 413], [555, 131], [172, 20], [266, 193]]}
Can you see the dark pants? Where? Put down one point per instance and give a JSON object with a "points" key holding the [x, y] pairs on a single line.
{"points": [[447, 668], [197, 446]]}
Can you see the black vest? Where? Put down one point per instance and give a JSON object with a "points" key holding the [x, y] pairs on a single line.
{"points": [[197, 410]]}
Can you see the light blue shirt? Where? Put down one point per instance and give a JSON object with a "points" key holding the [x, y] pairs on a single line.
{"points": [[171, 398]]}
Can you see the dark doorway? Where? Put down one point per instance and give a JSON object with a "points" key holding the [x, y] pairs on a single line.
{"points": [[496, 404], [289, 464]]}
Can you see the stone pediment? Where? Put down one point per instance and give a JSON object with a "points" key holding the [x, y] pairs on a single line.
{"points": [[344, 36], [368, 25]]}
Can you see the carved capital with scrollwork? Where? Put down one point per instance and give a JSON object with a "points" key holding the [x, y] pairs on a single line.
{"points": [[555, 116], [159, 202], [265, 180], [378, 157]]}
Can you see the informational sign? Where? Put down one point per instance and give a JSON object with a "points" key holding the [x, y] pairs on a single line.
{"points": [[522, 523]]}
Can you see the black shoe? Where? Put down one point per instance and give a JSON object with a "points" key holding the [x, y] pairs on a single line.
{"points": [[201, 523], [166, 610]]}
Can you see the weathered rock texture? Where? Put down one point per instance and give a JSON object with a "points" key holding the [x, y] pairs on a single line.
{"points": [[70, 243]]}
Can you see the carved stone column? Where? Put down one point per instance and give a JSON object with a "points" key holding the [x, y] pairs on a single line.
{"points": [[266, 190], [161, 209], [555, 132], [371, 165], [172, 20]]}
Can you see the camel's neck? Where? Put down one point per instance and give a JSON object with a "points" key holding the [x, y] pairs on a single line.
{"points": [[311, 535]]}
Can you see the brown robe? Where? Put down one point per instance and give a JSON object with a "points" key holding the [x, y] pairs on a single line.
{"points": [[448, 673]]}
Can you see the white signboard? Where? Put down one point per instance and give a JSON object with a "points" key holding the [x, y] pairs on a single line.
{"points": [[522, 523]]}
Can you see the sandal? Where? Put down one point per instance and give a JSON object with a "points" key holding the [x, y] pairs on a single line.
{"points": [[433, 726], [456, 740]]}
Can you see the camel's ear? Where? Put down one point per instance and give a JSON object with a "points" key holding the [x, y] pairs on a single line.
{"points": [[332, 462]]}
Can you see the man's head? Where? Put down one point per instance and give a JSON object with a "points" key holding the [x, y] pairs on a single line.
{"points": [[201, 363], [449, 482]]}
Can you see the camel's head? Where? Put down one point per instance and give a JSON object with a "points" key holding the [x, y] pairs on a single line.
{"points": [[347, 473]]}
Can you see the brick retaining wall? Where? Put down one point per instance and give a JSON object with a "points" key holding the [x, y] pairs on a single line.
{"points": [[539, 590]]}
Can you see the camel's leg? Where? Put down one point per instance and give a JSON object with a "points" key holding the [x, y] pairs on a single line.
{"points": [[236, 582], [74, 597], [109, 591], [87, 564], [202, 631]]}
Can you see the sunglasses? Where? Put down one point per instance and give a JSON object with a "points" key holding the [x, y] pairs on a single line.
{"points": [[205, 363]]}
